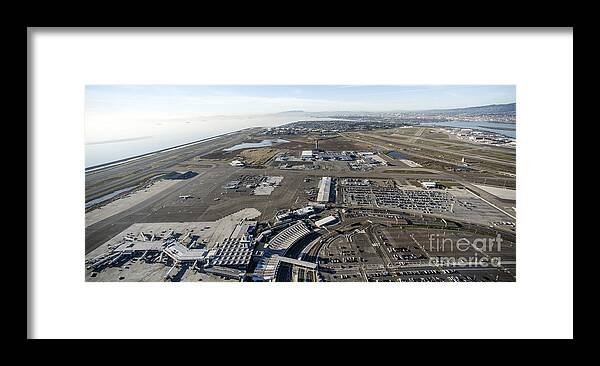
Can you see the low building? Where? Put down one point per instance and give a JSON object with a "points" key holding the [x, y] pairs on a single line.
{"points": [[307, 154], [236, 163], [376, 159], [304, 211], [429, 185], [235, 251], [329, 220], [283, 216], [324, 194]]}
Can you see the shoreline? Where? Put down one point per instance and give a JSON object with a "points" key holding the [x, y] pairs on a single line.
{"points": [[135, 157]]}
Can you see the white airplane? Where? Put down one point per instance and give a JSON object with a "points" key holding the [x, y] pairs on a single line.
{"points": [[185, 196]]}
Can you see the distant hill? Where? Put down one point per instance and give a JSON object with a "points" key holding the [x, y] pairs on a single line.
{"points": [[292, 111], [509, 108], [484, 109]]}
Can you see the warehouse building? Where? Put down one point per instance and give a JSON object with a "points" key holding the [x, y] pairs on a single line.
{"points": [[329, 220], [324, 194], [429, 185], [307, 154]]}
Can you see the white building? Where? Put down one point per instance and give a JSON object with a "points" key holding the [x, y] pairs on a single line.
{"points": [[326, 221], [324, 190], [429, 185], [307, 154], [304, 211], [236, 163]]}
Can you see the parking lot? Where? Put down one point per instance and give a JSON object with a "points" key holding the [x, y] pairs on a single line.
{"points": [[393, 253], [456, 201]]}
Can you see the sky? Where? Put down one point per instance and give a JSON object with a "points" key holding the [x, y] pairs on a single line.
{"points": [[163, 101]]}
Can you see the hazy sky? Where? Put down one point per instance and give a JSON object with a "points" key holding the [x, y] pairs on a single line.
{"points": [[135, 111], [162, 100]]}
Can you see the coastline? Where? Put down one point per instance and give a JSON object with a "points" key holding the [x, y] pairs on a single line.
{"points": [[135, 157]]}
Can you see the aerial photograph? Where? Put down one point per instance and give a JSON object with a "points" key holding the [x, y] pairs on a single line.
{"points": [[300, 183]]}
